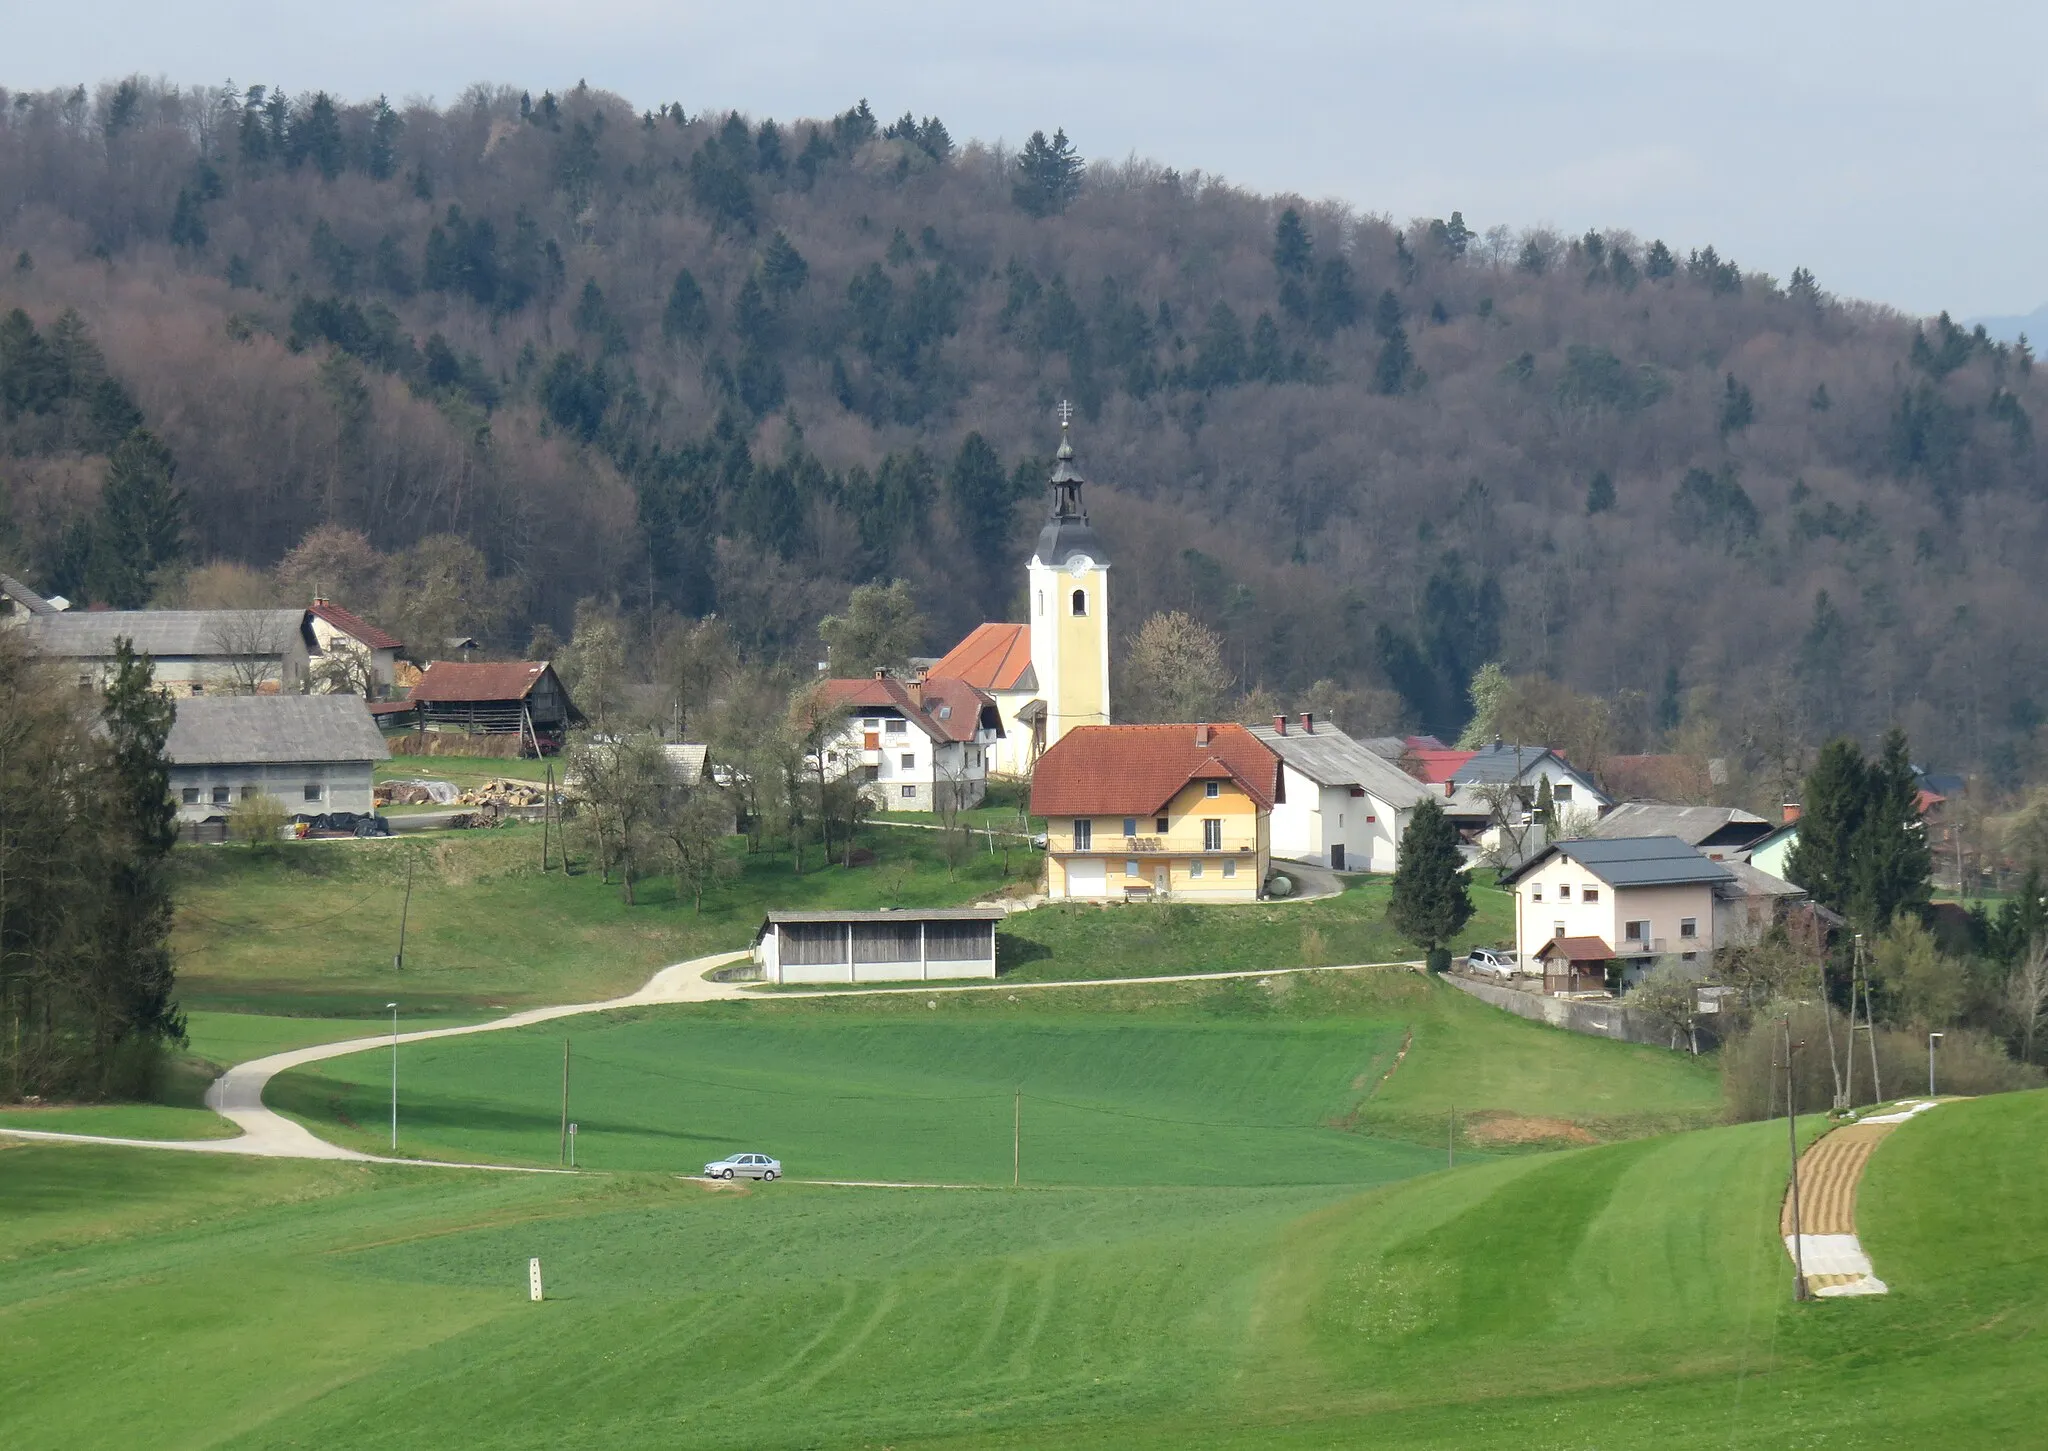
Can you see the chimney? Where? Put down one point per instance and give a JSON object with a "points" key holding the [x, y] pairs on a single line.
{"points": [[1308, 722], [1450, 788], [1202, 735], [1279, 725], [881, 672], [1791, 811]]}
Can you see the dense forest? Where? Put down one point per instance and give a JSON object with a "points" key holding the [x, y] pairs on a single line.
{"points": [[699, 363]]}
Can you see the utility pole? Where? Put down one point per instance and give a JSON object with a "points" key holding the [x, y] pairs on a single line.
{"points": [[394, 1075], [1451, 1144], [547, 806], [398, 962], [1869, 1025], [565, 1100], [1017, 1139], [1792, 1138]]}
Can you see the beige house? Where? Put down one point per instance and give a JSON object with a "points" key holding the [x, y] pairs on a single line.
{"points": [[1628, 901], [1154, 811]]}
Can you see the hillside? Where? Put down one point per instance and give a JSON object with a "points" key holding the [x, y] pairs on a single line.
{"points": [[701, 362]]}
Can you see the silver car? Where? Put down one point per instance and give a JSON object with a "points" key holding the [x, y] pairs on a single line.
{"points": [[1491, 961], [744, 1166]]}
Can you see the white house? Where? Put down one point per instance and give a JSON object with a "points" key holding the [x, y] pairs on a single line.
{"points": [[1587, 902], [314, 753], [1345, 806], [912, 945], [371, 655], [915, 745], [1527, 767]]}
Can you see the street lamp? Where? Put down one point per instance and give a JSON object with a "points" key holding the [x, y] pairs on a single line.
{"points": [[394, 1075], [1931, 1037]]}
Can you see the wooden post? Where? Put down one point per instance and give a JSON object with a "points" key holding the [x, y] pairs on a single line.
{"points": [[565, 1101], [1792, 1134], [398, 962], [1017, 1139]]}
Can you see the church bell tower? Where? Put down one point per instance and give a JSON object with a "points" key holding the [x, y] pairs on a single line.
{"points": [[1069, 603]]}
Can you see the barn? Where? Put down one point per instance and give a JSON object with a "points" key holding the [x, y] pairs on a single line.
{"points": [[910, 945]]}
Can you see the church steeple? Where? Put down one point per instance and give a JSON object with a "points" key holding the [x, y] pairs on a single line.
{"points": [[1067, 532]]}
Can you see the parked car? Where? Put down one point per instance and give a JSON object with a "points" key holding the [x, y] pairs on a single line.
{"points": [[744, 1166], [1491, 961]]}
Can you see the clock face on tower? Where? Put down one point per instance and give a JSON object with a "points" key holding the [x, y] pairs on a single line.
{"points": [[1079, 564]]}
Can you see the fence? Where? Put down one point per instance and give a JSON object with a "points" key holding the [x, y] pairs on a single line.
{"points": [[1611, 1019]]}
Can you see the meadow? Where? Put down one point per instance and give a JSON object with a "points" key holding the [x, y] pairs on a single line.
{"points": [[1616, 1296]]}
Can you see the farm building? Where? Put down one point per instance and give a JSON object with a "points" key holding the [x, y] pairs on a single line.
{"points": [[913, 945], [314, 753], [196, 652], [513, 697]]}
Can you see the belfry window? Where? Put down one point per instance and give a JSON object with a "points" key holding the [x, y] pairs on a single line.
{"points": [[1080, 602]]}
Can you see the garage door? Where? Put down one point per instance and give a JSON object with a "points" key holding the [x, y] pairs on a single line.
{"points": [[1087, 879]]}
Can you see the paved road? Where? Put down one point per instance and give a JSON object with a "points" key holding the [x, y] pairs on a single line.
{"points": [[238, 1093]]}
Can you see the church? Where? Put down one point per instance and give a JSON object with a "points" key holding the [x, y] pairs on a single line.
{"points": [[1051, 674]]}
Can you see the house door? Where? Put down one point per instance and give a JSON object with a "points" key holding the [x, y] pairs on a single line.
{"points": [[1159, 880], [1337, 856], [1088, 877]]}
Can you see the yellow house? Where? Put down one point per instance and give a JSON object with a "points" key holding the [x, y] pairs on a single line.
{"points": [[1148, 811]]}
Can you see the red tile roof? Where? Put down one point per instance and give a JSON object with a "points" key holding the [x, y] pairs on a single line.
{"points": [[1133, 770], [1435, 765], [455, 680], [992, 657], [945, 709], [1576, 949], [353, 624]]}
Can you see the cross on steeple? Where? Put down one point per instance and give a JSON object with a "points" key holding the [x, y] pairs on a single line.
{"points": [[1066, 412]]}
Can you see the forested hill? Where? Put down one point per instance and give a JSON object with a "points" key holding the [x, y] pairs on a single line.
{"points": [[706, 362]]}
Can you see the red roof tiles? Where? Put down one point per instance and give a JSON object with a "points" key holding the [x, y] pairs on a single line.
{"points": [[1435, 765], [945, 709], [1133, 770], [355, 625], [455, 680], [992, 657], [1576, 949]]}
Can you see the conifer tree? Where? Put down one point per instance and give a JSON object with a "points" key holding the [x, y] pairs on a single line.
{"points": [[1823, 860], [783, 269], [1431, 901], [1600, 493], [1048, 174], [687, 318], [979, 492], [1292, 249], [141, 530], [1889, 877]]}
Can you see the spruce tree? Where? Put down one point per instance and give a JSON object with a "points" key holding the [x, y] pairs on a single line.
{"points": [[1823, 860], [1048, 174], [1431, 902], [1891, 861], [783, 269], [1292, 249], [979, 493], [141, 530], [1600, 493], [687, 318]]}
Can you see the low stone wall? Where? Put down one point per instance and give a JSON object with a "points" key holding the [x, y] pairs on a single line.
{"points": [[1596, 1019]]}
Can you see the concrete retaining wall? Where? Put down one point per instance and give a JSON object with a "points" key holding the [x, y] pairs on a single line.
{"points": [[1608, 1019]]}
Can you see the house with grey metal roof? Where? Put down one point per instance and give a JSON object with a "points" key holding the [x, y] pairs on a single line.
{"points": [[316, 754], [910, 945], [1719, 832], [1639, 897], [1345, 805], [1526, 767], [196, 652]]}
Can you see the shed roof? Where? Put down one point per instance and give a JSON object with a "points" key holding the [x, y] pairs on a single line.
{"points": [[1632, 861], [992, 657], [1329, 757], [904, 915], [1576, 949], [163, 634], [945, 709], [1690, 824], [222, 730], [30, 602], [1745, 880], [1133, 770], [462, 680]]}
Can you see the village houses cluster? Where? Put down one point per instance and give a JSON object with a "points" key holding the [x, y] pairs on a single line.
{"points": [[300, 705]]}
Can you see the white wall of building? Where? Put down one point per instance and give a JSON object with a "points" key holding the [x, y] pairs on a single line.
{"points": [[1314, 819], [909, 768], [1554, 896], [341, 786]]}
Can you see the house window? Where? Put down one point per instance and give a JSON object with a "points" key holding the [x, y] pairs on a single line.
{"points": [[1084, 835], [871, 773], [191, 795], [1689, 957], [908, 760], [312, 790], [910, 793], [1688, 927], [1130, 826], [1557, 929], [1564, 891], [1370, 820], [1536, 891], [1212, 789], [220, 796], [1230, 866], [1131, 867], [1635, 931], [1041, 602], [1080, 602], [1561, 792], [1212, 834], [897, 727], [249, 793], [1589, 894], [871, 725], [1160, 825], [945, 712], [1340, 818], [1195, 867]]}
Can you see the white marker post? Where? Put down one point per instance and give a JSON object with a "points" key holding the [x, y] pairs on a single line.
{"points": [[533, 1279], [572, 1146]]}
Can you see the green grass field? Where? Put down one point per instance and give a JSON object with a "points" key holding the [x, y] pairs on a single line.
{"points": [[1630, 1295]]}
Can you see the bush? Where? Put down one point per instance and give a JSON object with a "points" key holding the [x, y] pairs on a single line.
{"points": [[258, 820], [1753, 1080]]}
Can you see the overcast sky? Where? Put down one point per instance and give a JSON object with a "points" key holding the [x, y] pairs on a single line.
{"points": [[1891, 147]]}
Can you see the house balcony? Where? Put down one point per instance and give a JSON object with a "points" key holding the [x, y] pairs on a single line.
{"points": [[871, 757], [1160, 846], [1643, 947]]}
